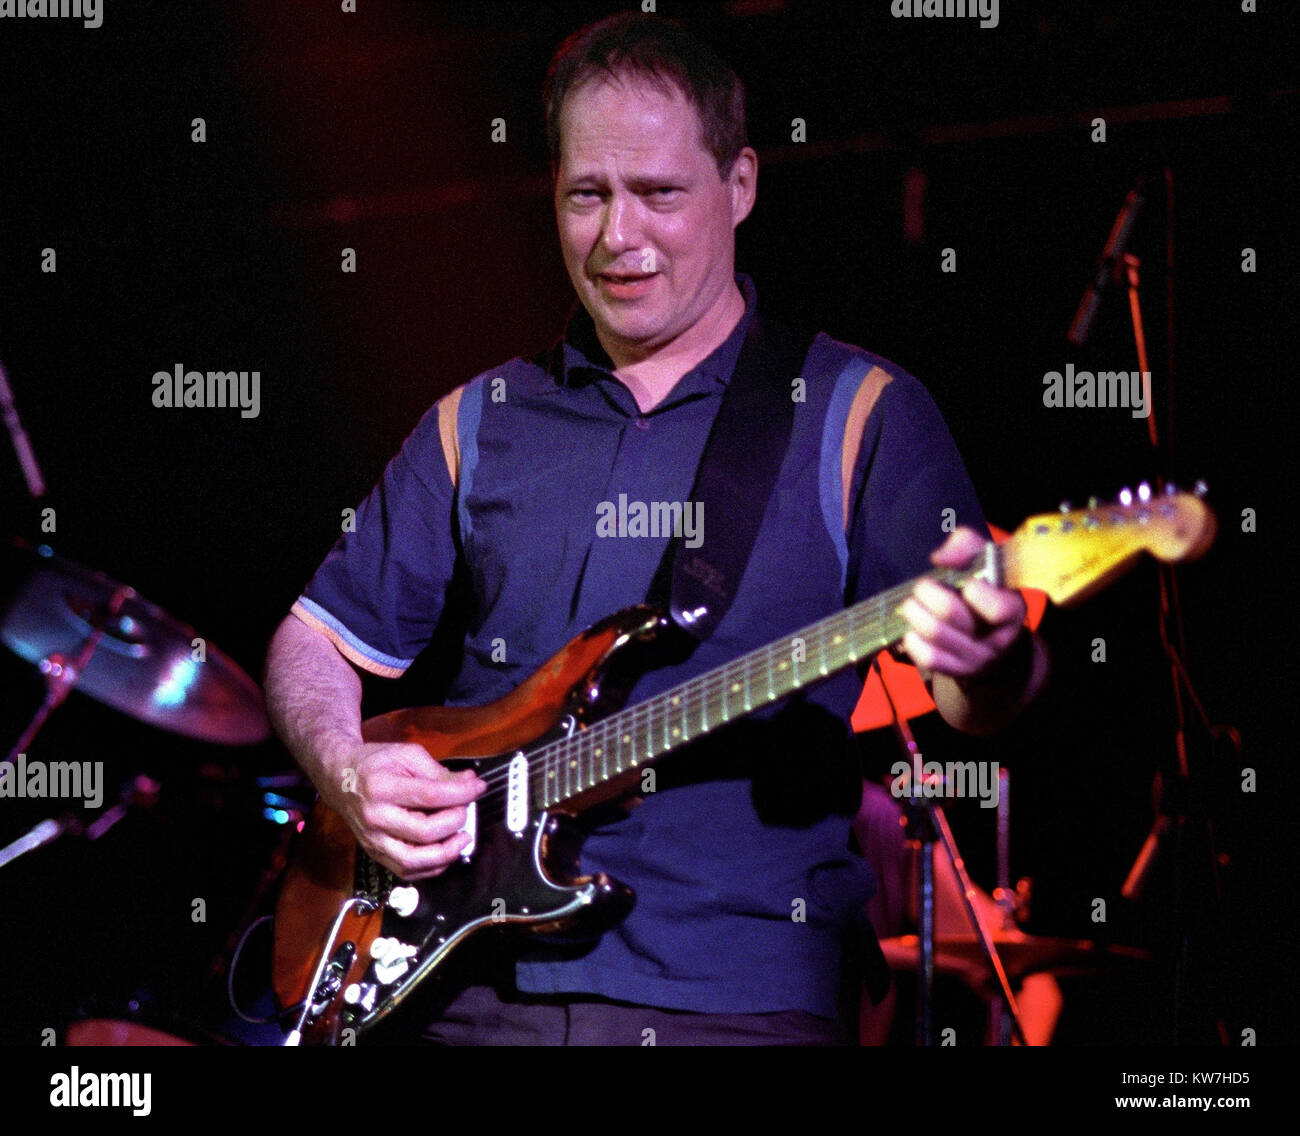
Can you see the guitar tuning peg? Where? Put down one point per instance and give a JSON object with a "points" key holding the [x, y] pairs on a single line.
{"points": [[1126, 496], [1144, 491], [1065, 506], [1200, 488]]}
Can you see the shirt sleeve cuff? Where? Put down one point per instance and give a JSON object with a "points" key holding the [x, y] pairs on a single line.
{"points": [[349, 646]]}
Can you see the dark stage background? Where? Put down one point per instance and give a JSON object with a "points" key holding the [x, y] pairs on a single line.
{"points": [[372, 131]]}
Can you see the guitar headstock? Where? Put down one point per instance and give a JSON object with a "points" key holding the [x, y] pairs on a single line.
{"points": [[1071, 554]]}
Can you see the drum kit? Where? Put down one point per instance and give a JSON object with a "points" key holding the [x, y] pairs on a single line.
{"points": [[86, 632]]}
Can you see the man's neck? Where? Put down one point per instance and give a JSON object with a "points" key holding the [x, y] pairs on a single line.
{"points": [[652, 378]]}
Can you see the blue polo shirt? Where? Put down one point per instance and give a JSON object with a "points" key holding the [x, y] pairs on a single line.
{"points": [[740, 856]]}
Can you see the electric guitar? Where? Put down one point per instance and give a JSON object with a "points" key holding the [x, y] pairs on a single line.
{"points": [[352, 941]]}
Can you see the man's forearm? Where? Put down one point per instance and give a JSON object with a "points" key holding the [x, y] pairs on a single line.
{"points": [[313, 698], [982, 706]]}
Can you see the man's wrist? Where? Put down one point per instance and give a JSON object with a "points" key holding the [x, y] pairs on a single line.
{"points": [[1010, 671], [984, 703]]}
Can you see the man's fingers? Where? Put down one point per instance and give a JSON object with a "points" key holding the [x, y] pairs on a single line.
{"points": [[960, 634], [418, 862], [994, 605], [408, 810], [955, 657], [441, 789], [412, 827], [931, 603], [961, 547]]}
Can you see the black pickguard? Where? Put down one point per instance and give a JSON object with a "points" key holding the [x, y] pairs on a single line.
{"points": [[514, 885]]}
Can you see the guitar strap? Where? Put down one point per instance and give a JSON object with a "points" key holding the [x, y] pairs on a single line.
{"points": [[735, 480]]}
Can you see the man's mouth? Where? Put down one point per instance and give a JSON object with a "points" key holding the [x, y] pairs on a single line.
{"points": [[625, 285]]}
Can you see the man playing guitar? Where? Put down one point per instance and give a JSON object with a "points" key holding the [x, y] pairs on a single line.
{"points": [[740, 859]]}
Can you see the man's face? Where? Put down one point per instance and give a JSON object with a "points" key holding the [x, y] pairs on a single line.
{"points": [[646, 223]]}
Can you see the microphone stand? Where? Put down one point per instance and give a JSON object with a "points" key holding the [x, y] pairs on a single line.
{"points": [[927, 824], [141, 791], [1177, 792], [18, 436]]}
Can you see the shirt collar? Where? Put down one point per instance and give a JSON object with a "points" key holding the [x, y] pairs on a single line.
{"points": [[582, 359]]}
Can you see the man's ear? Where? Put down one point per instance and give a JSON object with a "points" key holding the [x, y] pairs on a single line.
{"points": [[743, 184]]}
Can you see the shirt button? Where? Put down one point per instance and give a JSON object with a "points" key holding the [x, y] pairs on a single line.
{"points": [[643, 424]]}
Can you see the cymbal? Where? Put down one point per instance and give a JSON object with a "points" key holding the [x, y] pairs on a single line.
{"points": [[144, 665], [903, 681], [963, 956]]}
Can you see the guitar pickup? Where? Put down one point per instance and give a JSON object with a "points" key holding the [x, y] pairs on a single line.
{"points": [[517, 794], [470, 826]]}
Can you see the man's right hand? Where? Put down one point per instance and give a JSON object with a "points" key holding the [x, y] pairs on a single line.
{"points": [[405, 809]]}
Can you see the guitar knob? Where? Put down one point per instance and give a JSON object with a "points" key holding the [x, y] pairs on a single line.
{"points": [[388, 972], [1126, 496], [361, 994], [1144, 492], [393, 963], [386, 950], [404, 900]]}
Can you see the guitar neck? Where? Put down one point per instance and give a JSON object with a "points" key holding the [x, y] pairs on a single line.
{"points": [[1069, 555], [641, 734]]}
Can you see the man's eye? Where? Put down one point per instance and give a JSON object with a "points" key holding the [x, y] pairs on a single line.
{"points": [[585, 194]]}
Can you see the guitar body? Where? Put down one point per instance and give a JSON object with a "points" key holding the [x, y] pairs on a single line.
{"points": [[359, 940], [512, 878]]}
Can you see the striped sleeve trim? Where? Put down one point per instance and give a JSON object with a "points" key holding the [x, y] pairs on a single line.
{"points": [[349, 646], [469, 412], [448, 410], [864, 402]]}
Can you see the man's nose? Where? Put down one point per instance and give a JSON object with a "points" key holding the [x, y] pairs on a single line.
{"points": [[622, 230]]}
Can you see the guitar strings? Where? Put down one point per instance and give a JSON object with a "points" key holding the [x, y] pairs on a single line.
{"points": [[707, 693], [702, 693]]}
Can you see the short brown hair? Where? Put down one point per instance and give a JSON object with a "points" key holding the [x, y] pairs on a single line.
{"points": [[665, 55]]}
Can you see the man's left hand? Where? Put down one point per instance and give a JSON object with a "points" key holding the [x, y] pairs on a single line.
{"points": [[963, 634]]}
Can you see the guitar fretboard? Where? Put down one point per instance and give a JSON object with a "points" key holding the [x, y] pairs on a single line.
{"points": [[641, 734]]}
